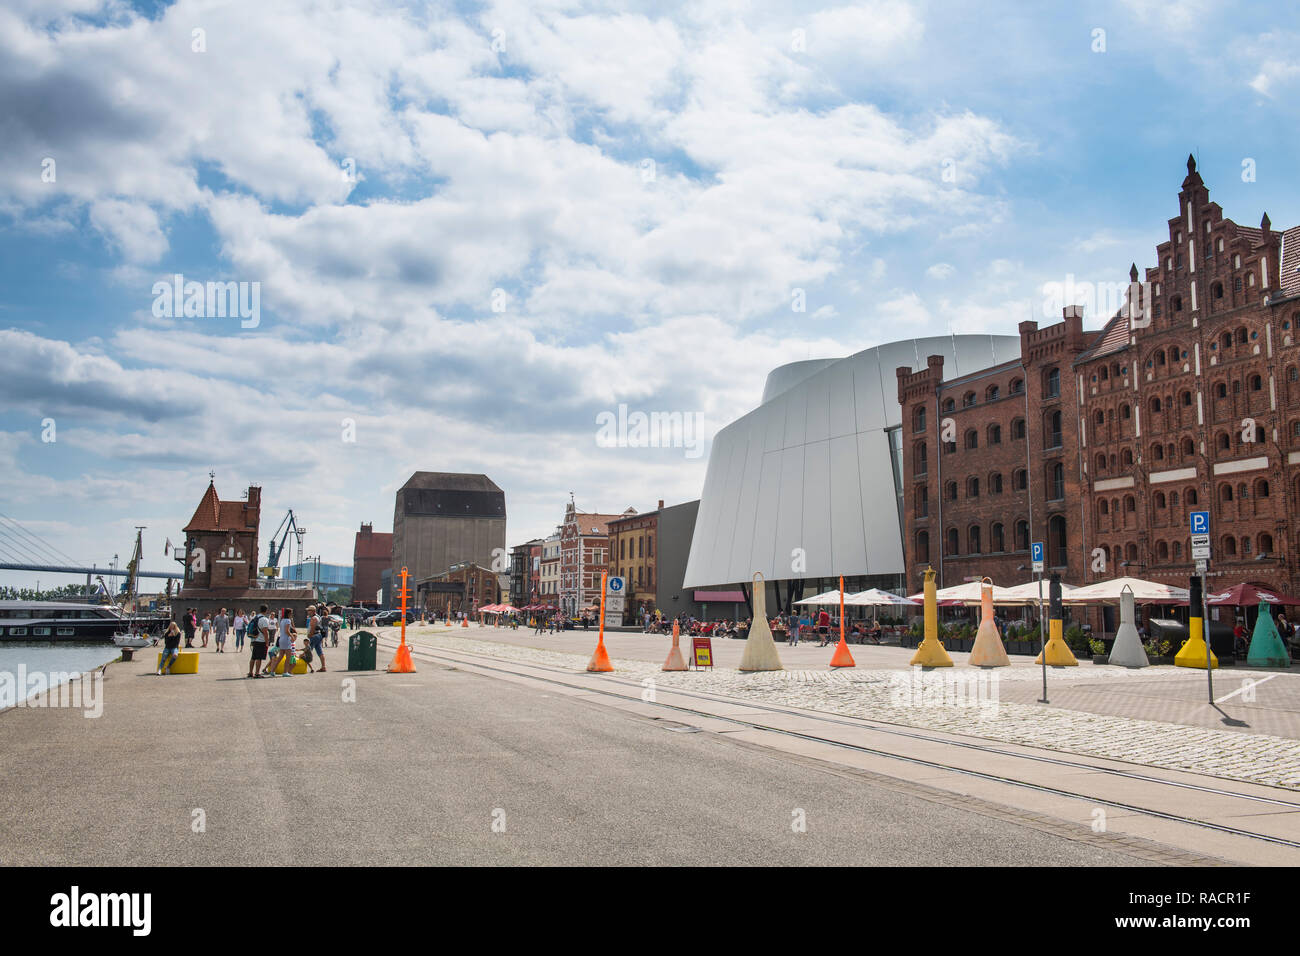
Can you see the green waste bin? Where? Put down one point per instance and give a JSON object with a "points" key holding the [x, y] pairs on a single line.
{"points": [[362, 647]]}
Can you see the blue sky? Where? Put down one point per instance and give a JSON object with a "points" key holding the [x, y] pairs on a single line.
{"points": [[557, 208]]}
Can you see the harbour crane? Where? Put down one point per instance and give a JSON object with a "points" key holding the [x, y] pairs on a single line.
{"points": [[275, 550]]}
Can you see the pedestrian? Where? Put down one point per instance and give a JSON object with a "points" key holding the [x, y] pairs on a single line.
{"points": [[241, 624], [316, 636], [824, 627], [220, 624], [258, 628], [171, 648], [284, 639], [205, 627], [187, 622]]}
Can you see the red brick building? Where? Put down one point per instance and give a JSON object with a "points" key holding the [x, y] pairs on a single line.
{"points": [[1099, 443], [221, 542], [371, 554], [584, 554]]}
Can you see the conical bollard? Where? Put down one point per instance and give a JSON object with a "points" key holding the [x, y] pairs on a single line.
{"points": [[1266, 647], [675, 660], [1127, 651], [600, 659], [1194, 651], [931, 653], [842, 657], [1058, 652], [988, 650], [760, 649]]}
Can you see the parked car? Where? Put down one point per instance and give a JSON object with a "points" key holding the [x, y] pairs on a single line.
{"points": [[389, 618]]}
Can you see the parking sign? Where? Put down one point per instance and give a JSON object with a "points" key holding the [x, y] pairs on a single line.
{"points": [[1036, 553], [1199, 522]]}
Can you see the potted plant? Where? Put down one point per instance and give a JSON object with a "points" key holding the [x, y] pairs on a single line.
{"points": [[1098, 648]]}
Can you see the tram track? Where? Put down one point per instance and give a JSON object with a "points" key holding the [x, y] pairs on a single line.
{"points": [[529, 670]]}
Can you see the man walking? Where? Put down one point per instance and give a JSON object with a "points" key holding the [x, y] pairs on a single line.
{"points": [[187, 622], [257, 633], [220, 624]]}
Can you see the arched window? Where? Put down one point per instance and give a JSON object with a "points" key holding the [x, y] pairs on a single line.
{"points": [[1125, 412], [973, 540], [1126, 457], [1158, 452], [1160, 500], [1256, 383], [1162, 551], [1100, 417], [1052, 383], [949, 404], [1225, 492], [1056, 482], [1261, 488], [1101, 462], [921, 463], [1058, 554], [1189, 448], [1265, 544], [1052, 431], [952, 541], [1017, 386], [995, 434], [1022, 535], [922, 497], [972, 439], [1155, 403], [923, 547], [950, 491], [1017, 428], [1189, 496], [997, 539], [1019, 480], [1104, 506], [1223, 442], [972, 487], [992, 393], [1229, 545], [995, 483], [918, 419], [968, 400], [1130, 504]]}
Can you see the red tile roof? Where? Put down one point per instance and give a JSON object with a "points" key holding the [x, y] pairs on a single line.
{"points": [[213, 514], [1290, 278]]}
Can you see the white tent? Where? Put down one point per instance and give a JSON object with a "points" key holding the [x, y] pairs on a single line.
{"points": [[1144, 592], [826, 597], [874, 597]]}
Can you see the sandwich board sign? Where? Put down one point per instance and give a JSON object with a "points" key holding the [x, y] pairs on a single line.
{"points": [[702, 652]]}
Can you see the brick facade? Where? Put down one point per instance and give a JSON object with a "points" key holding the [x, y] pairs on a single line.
{"points": [[1099, 443], [371, 554], [632, 555]]}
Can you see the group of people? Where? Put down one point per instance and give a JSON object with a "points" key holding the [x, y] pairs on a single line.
{"points": [[265, 632]]}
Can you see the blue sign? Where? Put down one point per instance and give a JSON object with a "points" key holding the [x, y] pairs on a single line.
{"points": [[1200, 522], [1036, 551], [615, 585]]}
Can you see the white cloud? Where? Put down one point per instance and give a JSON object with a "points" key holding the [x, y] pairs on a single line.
{"points": [[941, 270]]}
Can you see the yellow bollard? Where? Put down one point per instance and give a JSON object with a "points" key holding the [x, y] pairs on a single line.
{"points": [[931, 653], [1193, 651], [1058, 652]]}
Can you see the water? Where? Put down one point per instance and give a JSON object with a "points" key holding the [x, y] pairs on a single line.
{"points": [[54, 658]]}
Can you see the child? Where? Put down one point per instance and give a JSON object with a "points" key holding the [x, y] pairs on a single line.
{"points": [[306, 657]]}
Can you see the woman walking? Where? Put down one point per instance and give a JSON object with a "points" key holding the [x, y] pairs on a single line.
{"points": [[285, 635], [241, 623]]}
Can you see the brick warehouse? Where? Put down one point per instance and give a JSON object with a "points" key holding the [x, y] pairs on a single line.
{"points": [[1099, 443]]}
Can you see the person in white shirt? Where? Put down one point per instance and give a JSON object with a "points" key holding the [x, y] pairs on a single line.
{"points": [[240, 624], [258, 626]]}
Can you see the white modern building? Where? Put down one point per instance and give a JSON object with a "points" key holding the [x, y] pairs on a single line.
{"points": [[808, 486]]}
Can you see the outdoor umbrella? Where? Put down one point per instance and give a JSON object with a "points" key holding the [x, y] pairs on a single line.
{"points": [[1249, 595], [970, 592], [874, 597], [1028, 593], [1144, 592], [826, 597]]}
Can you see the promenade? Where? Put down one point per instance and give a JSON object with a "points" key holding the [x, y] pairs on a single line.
{"points": [[501, 749]]}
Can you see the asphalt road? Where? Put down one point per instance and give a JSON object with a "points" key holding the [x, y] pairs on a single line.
{"points": [[216, 769]]}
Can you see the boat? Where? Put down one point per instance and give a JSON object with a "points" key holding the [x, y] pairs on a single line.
{"points": [[69, 621]]}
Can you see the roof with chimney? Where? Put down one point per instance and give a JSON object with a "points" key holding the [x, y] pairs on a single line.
{"points": [[372, 544]]}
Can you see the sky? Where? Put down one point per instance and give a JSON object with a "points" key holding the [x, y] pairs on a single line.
{"points": [[465, 234]]}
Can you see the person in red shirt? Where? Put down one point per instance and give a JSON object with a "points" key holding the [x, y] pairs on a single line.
{"points": [[824, 627]]}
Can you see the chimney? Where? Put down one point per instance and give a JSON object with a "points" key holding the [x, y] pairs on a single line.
{"points": [[661, 504]]}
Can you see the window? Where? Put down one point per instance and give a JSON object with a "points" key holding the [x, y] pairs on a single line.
{"points": [[923, 547], [923, 502], [1056, 482], [921, 463], [1017, 428], [997, 538], [995, 434], [1052, 432], [918, 419], [973, 537], [972, 439], [1057, 552], [1162, 551], [1256, 383], [950, 491], [1019, 480], [1187, 399], [1022, 535], [1017, 386], [1160, 499], [1265, 544], [949, 404], [1261, 488], [1190, 496], [972, 487], [968, 400], [1189, 448], [1052, 383], [952, 541], [995, 484], [1125, 412], [991, 394]]}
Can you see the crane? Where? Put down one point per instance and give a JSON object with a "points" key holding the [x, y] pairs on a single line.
{"points": [[276, 550]]}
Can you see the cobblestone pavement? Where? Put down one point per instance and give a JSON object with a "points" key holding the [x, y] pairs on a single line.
{"points": [[975, 703]]}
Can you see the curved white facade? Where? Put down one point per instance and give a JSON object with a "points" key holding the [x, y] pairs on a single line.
{"points": [[803, 486]]}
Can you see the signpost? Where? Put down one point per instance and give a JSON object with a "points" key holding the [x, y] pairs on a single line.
{"points": [[1198, 523], [702, 652], [1036, 555], [615, 595]]}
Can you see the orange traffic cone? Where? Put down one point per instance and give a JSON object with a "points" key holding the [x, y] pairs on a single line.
{"points": [[675, 660], [402, 663], [842, 657], [464, 622], [600, 659]]}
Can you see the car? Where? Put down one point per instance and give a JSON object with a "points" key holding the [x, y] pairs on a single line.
{"points": [[390, 618]]}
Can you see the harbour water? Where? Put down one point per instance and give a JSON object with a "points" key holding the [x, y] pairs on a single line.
{"points": [[64, 660]]}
